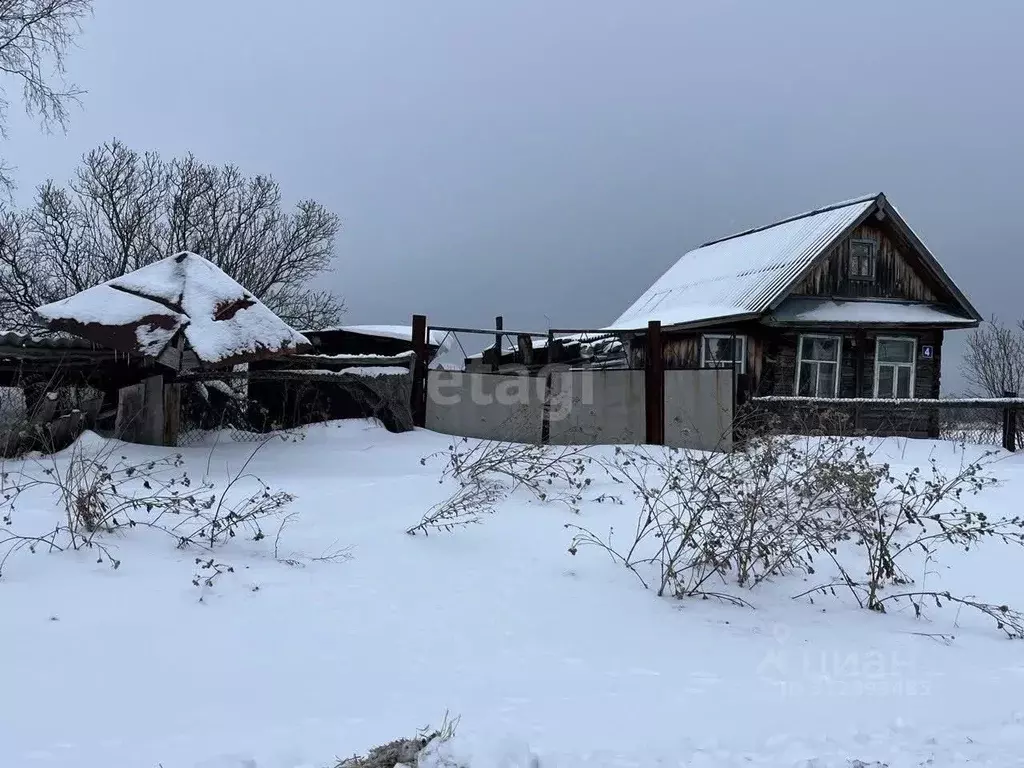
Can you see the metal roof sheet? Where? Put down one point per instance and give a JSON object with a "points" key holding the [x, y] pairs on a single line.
{"points": [[742, 274], [46, 341]]}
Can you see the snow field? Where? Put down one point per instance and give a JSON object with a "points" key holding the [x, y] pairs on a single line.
{"points": [[539, 652]]}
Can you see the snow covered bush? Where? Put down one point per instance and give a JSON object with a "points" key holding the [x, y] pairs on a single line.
{"points": [[99, 491], [748, 515], [783, 505], [486, 472], [915, 514]]}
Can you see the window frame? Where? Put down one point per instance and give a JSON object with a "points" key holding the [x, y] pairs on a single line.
{"points": [[838, 362], [895, 380], [739, 337], [870, 278]]}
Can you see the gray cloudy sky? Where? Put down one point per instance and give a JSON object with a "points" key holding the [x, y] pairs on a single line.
{"points": [[549, 159]]}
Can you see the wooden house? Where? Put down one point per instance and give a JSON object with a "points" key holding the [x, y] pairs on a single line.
{"points": [[841, 302]]}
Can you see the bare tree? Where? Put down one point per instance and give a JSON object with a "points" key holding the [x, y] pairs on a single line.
{"points": [[124, 210], [993, 362], [35, 36]]}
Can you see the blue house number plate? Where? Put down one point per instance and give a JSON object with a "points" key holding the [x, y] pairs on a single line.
{"points": [[927, 351]]}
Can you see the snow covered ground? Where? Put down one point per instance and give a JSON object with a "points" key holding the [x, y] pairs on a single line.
{"points": [[288, 666]]}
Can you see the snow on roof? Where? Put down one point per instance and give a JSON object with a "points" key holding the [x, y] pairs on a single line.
{"points": [[143, 311], [21, 340], [681, 315], [801, 310], [744, 273], [401, 356], [370, 371], [539, 342], [403, 332]]}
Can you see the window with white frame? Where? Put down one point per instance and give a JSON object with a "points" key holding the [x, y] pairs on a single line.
{"points": [[817, 366], [862, 259], [723, 351], [894, 367]]}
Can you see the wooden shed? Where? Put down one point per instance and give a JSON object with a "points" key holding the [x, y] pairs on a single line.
{"points": [[179, 314]]}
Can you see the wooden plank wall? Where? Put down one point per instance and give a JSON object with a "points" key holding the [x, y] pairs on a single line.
{"points": [[896, 277], [140, 412]]}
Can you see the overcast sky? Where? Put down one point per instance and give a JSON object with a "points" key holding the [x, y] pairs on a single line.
{"points": [[546, 160]]}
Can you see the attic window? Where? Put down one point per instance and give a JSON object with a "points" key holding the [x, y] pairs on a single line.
{"points": [[862, 259]]}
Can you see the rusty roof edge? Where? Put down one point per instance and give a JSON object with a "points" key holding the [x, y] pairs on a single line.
{"points": [[81, 330]]}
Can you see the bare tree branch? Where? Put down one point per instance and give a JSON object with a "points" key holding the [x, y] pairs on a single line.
{"points": [[35, 36], [124, 210], [993, 362]]}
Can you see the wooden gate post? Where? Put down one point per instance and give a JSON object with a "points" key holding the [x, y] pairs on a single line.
{"points": [[419, 371], [654, 385], [551, 356], [499, 324], [1010, 424]]}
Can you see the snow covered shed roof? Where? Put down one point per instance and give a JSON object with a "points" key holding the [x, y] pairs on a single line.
{"points": [[400, 332], [57, 342], [144, 311], [746, 274]]}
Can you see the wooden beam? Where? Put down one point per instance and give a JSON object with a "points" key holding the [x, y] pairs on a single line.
{"points": [[1010, 424], [129, 412], [654, 389], [419, 378], [486, 331], [499, 323], [172, 413], [140, 412], [525, 344]]}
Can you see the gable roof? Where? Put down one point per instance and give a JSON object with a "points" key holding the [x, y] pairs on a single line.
{"points": [[745, 275], [142, 313]]}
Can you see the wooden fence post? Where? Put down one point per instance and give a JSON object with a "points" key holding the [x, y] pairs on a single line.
{"points": [[419, 371], [654, 385], [172, 413], [499, 324], [1010, 424], [550, 355]]}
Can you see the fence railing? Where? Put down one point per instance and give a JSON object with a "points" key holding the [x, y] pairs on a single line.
{"points": [[985, 421], [549, 355]]}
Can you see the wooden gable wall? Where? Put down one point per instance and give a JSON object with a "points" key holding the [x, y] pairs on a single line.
{"points": [[898, 272]]}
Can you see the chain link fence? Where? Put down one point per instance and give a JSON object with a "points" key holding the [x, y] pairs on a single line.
{"points": [[990, 422]]}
